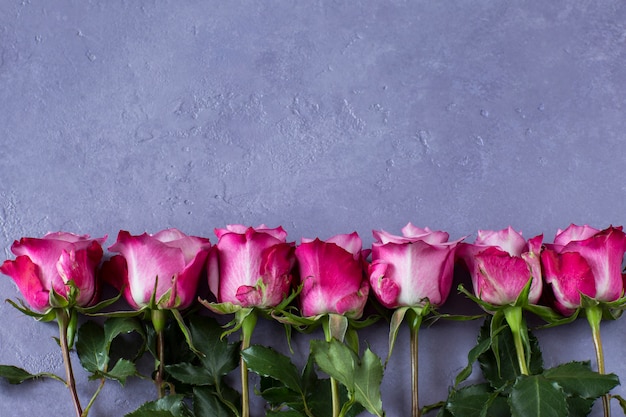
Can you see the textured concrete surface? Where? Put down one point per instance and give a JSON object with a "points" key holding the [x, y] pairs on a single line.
{"points": [[324, 117]]}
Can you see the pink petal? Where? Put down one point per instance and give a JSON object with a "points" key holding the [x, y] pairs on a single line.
{"points": [[506, 239], [349, 242], [329, 273], [189, 245], [248, 296], [574, 233], [499, 278], [240, 258], [45, 254], [213, 271], [421, 270], [277, 232], [569, 275], [115, 272], [604, 253], [277, 263], [186, 283], [26, 275], [146, 259], [77, 267], [385, 289], [425, 234], [352, 305]]}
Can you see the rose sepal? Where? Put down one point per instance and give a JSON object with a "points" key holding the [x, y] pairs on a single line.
{"points": [[398, 317], [23, 308]]}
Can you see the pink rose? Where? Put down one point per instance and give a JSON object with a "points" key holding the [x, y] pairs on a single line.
{"points": [[51, 263], [168, 262], [584, 260], [501, 263], [251, 266], [332, 275], [411, 269]]}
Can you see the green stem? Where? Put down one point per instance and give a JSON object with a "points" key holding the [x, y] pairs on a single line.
{"points": [[415, 320], [514, 318], [93, 398], [334, 386], [63, 319], [247, 327], [159, 319], [594, 317]]}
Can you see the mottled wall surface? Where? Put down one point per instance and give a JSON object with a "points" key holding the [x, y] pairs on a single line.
{"points": [[324, 117]]}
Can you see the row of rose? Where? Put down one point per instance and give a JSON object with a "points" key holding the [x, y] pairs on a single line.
{"points": [[253, 267]]}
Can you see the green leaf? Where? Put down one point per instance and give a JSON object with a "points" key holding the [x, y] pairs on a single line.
{"points": [[578, 379], [15, 375], [534, 395], [121, 371], [503, 369], [362, 378], [115, 326], [190, 374], [207, 404], [470, 401], [287, 413], [220, 357], [482, 347], [170, 406], [91, 347], [579, 407], [267, 362]]}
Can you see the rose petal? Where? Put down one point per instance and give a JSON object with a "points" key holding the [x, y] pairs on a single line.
{"points": [[26, 276], [574, 233], [148, 259], [385, 289], [569, 274], [506, 239], [329, 273]]}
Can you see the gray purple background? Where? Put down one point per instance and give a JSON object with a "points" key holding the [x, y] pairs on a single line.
{"points": [[324, 117]]}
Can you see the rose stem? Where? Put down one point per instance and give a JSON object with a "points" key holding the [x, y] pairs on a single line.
{"points": [[513, 317], [63, 321], [334, 387], [594, 316], [158, 321], [415, 320], [247, 327]]}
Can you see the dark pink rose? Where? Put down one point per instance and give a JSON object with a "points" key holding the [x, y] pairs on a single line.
{"points": [[168, 262], [584, 260], [251, 266], [51, 263], [332, 275], [501, 263], [411, 269]]}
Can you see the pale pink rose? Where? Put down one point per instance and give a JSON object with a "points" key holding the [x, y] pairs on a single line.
{"points": [[251, 266], [332, 275], [412, 269], [167, 265], [51, 263]]}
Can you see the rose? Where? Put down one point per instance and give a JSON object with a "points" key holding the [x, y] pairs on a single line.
{"points": [[584, 260], [331, 272], [51, 263], [164, 267], [412, 269], [501, 263], [251, 266]]}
